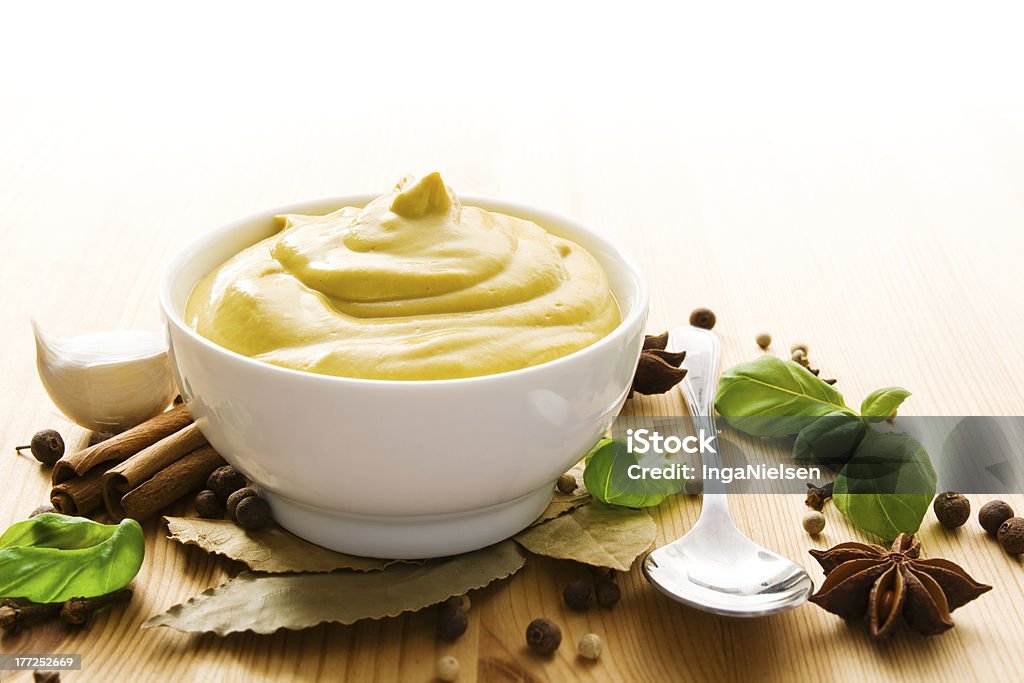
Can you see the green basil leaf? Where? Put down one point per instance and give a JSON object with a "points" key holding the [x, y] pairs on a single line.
{"points": [[830, 440], [606, 477], [887, 486], [52, 557], [882, 403], [773, 397]]}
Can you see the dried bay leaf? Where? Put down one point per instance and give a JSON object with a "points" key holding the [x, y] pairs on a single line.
{"points": [[273, 550], [562, 503], [264, 604], [595, 534]]}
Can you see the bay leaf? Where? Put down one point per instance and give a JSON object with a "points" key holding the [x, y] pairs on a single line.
{"points": [[264, 604], [272, 550], [594, 534]]}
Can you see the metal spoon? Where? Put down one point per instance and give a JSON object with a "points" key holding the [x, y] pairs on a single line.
{"points": [[715, 567]]}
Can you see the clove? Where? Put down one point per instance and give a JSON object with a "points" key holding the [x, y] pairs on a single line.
{"points": [[818, 495], [74, 611], [78, 611]]}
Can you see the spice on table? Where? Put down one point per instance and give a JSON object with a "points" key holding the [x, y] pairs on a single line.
{"points": [[992, 515], [799, 357], [764, 340], [15, 616], [78, 611], [817, 496], [799, 346], [814, 522], [590, 646], [658, 369], [543, 636], [208, 505], [951, 509], [47, 446], [566, 484], [41, 510], [99, 437], [45, 676], [448, 668], [1011, 535], [579, 595], [608, 593], [237, 497], [460, 601], [224, 481], [894, 586], [253, 513], [703, 317], [451, 621]]}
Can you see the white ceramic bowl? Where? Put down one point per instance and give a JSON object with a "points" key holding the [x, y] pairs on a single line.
{"points": [[403, 469]]}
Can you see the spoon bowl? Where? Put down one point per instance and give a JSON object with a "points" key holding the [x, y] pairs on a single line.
{"points": [[715, 567]]}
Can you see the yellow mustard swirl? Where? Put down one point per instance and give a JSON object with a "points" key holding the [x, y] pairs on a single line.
{"points": [[412, 287]]}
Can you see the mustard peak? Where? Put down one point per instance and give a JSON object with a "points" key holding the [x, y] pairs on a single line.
{"points": [[428, 195]]}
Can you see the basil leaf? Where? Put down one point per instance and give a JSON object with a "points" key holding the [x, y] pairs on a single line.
{"points": [[882, 403], [773, 397], [607, 478], [887, 486], [830, 440], [52, 557]]}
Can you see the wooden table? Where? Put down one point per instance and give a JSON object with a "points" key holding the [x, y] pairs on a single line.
{"points": [[891, 245]]}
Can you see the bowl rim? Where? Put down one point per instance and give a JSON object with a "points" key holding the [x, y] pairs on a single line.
{"points": [[171, 271]]}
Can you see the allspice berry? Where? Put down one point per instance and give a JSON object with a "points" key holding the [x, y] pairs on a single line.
{"points": [[1011, 535], [224, 481], [253, 513], [543, 636], [448, 668], [590, 646], [237, 497], [814, 522], [951, 509], [608, 593], [208, 505], [451, 621], [47, 446], [566, 484], [992, 515], [764, 340], [579, 595], [703, 317]]}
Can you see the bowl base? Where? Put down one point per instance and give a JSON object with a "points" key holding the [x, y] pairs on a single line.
{"points": [[409, 538]]}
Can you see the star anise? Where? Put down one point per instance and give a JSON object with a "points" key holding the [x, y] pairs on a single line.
{"points": [[893, 586], [658, 369]]}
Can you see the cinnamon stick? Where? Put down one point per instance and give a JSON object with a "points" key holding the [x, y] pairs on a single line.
{"points": [[121, 446], [81, 495], [122, 478], [171, 483]]}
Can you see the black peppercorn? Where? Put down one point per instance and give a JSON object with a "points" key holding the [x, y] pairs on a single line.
{"points": [[208, 505], [1011, 535], [608, 593], [451, 621], [703, 317], [42, 509], [47, 446], [253, 513], [992, 515], [224, 481], [578, 595], [237, 497], [543, 636], [951, 509], [566, 484], [99, 437]]}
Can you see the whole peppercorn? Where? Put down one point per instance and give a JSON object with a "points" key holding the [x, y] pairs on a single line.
{"points": [[237, 497], [764, 340], [460, 601], [992, 515], [814, 522], [566, 484], [543, 636], [42, 509], [253, 513], [451, 621], [608, 593], [448, 668], [99, 437], [693, 487], [578, 595], [47, 446], [951, 509], [703, 317], [590, 646], [208, 505], [1011, 535], [224, 481]]}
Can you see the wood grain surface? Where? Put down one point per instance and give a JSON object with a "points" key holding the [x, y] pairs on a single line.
{"points": [[891, 245]]}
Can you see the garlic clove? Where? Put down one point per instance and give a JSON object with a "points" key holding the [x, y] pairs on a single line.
{"points": [[106, 381]]}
